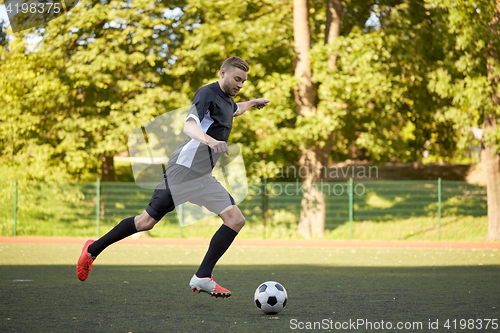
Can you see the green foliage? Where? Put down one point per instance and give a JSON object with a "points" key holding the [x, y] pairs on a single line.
{"points": [[377, 95], [462, 77], [93, 77], [261, 33], [406, 87]]}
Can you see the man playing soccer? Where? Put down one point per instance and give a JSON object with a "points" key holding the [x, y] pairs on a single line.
{"points": [[188, 176]]}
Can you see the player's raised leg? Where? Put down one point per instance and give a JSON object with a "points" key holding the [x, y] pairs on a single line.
{"points": [[91, 249], [220, 242]]}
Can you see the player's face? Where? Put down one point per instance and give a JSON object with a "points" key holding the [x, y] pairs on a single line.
{"points": [[232, 80]]}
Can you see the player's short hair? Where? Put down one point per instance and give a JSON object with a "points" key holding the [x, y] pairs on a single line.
{"points": [[235, 62]]}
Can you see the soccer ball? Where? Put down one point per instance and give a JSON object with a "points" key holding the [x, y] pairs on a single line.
{"points": [[270, 297]]}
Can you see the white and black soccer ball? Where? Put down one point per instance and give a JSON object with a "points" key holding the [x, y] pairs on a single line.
{"points": [[270, 297]]}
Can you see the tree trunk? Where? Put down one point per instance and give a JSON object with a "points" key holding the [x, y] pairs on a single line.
{"points": [[333, 17], [312, 216], [108, 168], [491, 165], [315, 159], [304, 90], [489, 157], [332, 31]]}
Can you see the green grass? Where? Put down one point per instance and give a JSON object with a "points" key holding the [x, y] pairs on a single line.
{"points": [[453, 228], [464, 228], [143, 288]]}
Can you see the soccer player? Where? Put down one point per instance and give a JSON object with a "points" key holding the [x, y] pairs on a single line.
{"points": [[188, 176]]}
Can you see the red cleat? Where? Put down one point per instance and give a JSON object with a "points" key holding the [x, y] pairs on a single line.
{"points": [[85, 261]]}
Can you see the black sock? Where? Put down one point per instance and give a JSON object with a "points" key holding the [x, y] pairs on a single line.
{"points": [[124, 229], [220, 242]]}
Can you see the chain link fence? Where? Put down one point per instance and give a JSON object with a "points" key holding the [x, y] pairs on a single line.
{"points": [[272, 209]]}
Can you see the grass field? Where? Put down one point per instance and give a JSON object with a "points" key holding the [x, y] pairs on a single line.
{"points": [[144, 288], [464, 228]]}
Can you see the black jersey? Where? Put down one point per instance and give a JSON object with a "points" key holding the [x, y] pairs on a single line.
{"points": [[213, 111]]}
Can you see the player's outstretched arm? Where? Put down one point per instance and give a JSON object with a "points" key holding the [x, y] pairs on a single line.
{"points": [[254, 103], [194, 131]]}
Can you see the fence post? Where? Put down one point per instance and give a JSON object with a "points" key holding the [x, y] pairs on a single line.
{"points": [[181, 219], [264, 206], [350, 190], [98, 206], [439, 208], [15, 207]]}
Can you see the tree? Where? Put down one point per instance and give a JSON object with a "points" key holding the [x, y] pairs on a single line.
{"points": [[469, 80], [490, 152], [312, 215], [372, 88], [319, 113], [314, 157], [71, 100], [403, 87], [113, 65]]}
